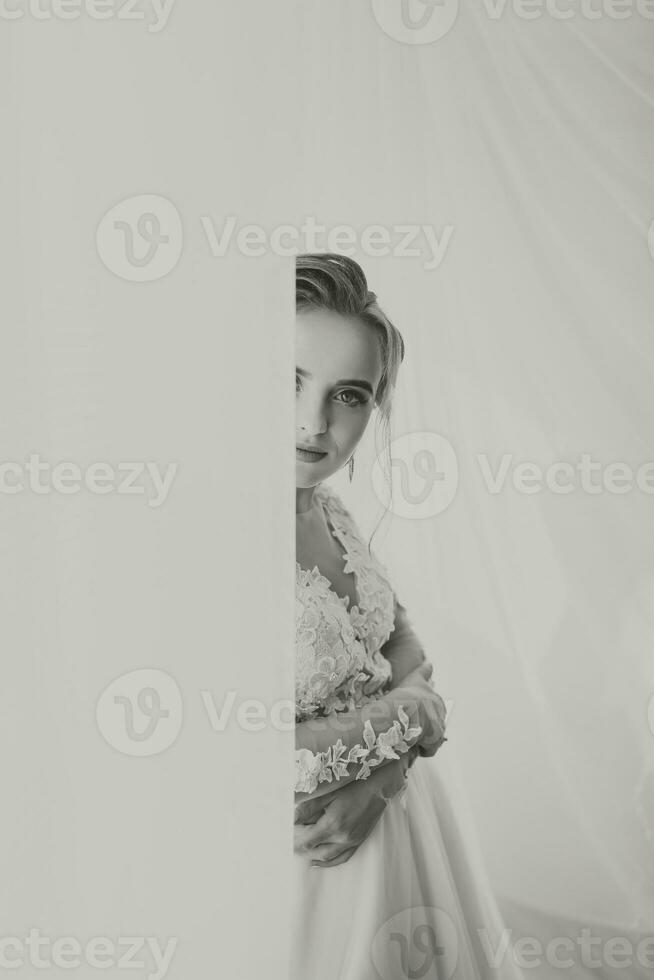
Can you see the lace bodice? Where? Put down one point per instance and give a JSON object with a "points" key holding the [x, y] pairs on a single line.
{"points": [[338, 661]]}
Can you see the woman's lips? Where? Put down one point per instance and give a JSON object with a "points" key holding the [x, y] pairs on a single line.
{"points": [[308, 457]]}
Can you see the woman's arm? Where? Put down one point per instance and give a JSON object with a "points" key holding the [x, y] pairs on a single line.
{"points": [[351, 744], [384, 782], [403, 649], [405, 652], [329, 830]]}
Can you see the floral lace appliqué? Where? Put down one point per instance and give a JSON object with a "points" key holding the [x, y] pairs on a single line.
{"points": [[312, 769], [339, 665]]}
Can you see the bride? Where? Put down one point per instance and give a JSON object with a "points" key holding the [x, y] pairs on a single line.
{"points": [[388, 879]]}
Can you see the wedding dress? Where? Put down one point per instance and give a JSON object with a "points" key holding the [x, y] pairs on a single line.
{"points": [[413, 901]]}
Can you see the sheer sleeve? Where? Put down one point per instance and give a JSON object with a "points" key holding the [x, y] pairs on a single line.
{"points": [[403, 649], [350, 744]]}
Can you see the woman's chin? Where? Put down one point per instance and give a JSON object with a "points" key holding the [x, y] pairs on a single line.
{"points": [[311, 474]]}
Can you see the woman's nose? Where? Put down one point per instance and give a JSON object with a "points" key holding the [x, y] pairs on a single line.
{"points": [[311, 418]]}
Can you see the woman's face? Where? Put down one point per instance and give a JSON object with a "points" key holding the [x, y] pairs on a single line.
{"points": [[338, 369]]}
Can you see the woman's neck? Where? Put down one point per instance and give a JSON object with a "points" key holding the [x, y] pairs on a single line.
{"points": [[304, 501]]}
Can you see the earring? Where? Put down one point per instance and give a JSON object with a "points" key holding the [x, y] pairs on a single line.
{"points": [[351, 466]]}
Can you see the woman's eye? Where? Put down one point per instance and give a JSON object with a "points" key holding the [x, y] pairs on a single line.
{"points": [[358, 400], [349, 396]]}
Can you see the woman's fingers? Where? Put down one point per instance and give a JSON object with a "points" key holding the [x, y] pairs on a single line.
{"points": [[309, 811], [312, 834], [430, 747], [328, 855]]}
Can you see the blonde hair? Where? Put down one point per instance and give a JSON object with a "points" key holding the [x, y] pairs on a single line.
{"points": [[336, 282]]}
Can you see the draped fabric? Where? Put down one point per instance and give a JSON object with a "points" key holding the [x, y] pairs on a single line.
{"points": [[529, 342]]}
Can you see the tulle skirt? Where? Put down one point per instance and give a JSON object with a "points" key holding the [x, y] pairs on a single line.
{"points": [[412, 902]]}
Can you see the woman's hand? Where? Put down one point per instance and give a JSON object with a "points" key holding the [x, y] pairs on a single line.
{"points": [[329, 829], [432, 712]]}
